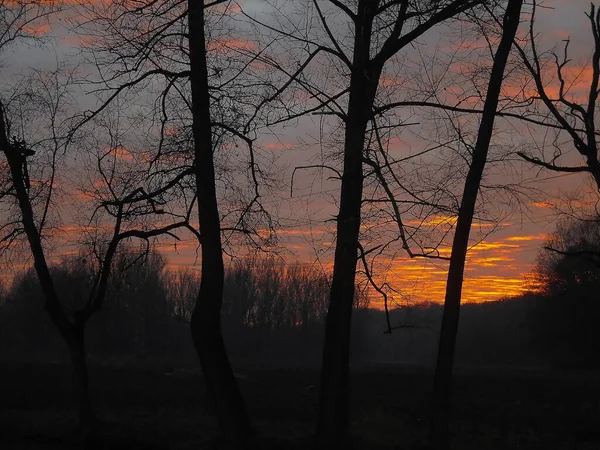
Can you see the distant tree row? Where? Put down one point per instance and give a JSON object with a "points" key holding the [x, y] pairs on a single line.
{"points": [[271, 310]]}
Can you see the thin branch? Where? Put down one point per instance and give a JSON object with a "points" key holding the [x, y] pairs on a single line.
{"points": [[554, 167]]}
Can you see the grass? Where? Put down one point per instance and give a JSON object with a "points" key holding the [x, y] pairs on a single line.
{"points": [[154, 407]]}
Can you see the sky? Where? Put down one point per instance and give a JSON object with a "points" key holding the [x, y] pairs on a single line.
{"points": [[506, 236]]}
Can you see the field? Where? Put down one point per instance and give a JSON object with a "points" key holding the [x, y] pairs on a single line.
{"points": [[160, 407]]}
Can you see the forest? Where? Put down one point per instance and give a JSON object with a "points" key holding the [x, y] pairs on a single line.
{"points": [[315, 224]]}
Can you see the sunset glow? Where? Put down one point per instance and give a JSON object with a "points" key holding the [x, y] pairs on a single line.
{"points": [[502, 249], [257, 224]]}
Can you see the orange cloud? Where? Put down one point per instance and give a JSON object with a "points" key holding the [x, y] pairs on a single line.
{"points": [[120, 152], [542, 204], [231, 46], [493, 270], [482, 246], [490, 261], [82, 195], [279, 146], [37, 29], [171, 131], [434, 221], [536, 237], [300, 232], [389, 81]]}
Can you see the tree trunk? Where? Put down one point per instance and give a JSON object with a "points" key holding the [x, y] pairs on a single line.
{"points": [[442, 387], [77, 349], [234, 423], [332, 421]]}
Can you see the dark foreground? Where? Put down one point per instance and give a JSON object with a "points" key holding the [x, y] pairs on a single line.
{"points": [[165, 408]]}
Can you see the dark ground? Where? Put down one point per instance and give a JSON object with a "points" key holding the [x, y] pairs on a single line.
{"points": [[158, 407]]}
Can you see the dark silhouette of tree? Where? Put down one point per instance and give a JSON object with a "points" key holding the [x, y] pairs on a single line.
{"points": [[442, 387], [567, 275], [222, 386], [139, 301], [564, 112], [182, 286], [123, 211], [274, 311], [557, 97], [380, 30], [70, 325], [201, 108], [135, 319]]}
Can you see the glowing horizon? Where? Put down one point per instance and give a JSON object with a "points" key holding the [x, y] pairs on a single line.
{"points": [[498, 264]]}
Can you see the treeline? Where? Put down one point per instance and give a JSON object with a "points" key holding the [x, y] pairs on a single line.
{"points": [[271, 311], [534, 330], [496, 333], [567, 276]]}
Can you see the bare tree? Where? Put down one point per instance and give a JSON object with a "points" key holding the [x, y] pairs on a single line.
{"points": [[182, 287], [206, 318], [561, 109], [126, 206], [21, 22], [379, 31], [447, 341], [203, 99]]}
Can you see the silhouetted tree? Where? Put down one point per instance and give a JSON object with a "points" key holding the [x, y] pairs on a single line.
{"points": [[135, 317], [442, 387], [29, 328], [360, 40], [380, 30], [182, 291], [222, 386], [274, 310], [559, 97], [201, 107], [125, 206], [567, 275], [556, 106]]}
